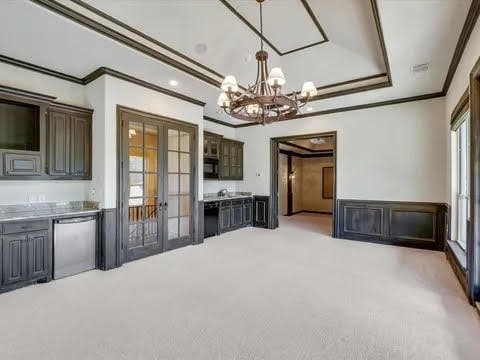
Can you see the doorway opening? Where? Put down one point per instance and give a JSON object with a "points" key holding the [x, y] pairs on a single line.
{"points": [[303, 181]]}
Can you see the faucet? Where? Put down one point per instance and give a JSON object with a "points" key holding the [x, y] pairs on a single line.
{"points": [[223, 192]]}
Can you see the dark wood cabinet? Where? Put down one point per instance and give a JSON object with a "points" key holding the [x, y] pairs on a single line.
{"points": [[38, 255], [225, 217], [81, 146], [235, 214], [25, 252], [69, 143], [58, 140], [224, 173], [14, 258], [211, 145], [22, 164], [261, 211]]}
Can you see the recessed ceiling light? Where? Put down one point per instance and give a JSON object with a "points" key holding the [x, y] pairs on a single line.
{"points": [[309, 109], [201, 48], [173, 82]]}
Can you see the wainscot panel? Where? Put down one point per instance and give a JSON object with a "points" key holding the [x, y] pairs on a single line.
{"points": [[419, 225], [110, 247]]}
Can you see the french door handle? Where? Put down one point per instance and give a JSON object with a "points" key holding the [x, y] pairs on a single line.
{"points": [[165, 205]]}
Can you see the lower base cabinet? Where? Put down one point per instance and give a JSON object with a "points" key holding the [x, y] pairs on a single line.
{"points": [[235, 214], [25, 254]]}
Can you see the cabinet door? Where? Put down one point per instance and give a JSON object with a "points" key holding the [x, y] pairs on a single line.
{"points": [[225, 160], [237, 215], [236, 161], [58, 143], [22, 163], [206, 145], [80, 146], [38, 263], [14, 258], [225, 223], [247, 213], [214, 147]]}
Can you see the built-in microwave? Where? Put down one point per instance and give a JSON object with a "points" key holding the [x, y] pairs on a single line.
{"points": [[210, 168]]}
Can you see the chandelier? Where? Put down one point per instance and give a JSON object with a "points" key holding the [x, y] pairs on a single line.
{"points": [[263, 102]]}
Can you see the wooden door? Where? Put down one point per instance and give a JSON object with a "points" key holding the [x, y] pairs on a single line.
{"points": [[142, 177], [80, 145], [39, 252], [179, 183], [58, 143], [14, 258]]}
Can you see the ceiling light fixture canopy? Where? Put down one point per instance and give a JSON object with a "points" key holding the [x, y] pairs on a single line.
{"points": [[263, 102]]}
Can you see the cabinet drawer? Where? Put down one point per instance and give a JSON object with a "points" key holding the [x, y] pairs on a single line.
{"points": [[17, 163], [237, 202], [21, 227], [247, 201]]}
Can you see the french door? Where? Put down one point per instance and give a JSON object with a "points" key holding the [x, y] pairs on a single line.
{"points": [[157, 179]]}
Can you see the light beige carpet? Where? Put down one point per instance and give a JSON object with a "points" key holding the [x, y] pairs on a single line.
{"points": [[291, 293]]}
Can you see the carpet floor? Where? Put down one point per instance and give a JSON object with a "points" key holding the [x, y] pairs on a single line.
{"points": [[291, 293]]}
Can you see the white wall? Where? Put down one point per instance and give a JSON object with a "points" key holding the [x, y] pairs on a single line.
{"points": [[385, 153], [119, 92], [19, 192], [213, 186]]}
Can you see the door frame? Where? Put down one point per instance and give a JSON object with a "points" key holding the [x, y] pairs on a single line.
{"points": [[194, 225], [473, 241], [274, 157]]}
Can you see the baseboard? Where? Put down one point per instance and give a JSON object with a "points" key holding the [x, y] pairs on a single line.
{"points": [[310, 212], [457, 266], [477, 305]]}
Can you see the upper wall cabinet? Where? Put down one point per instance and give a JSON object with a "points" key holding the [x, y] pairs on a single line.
{"points": [[69, 149], [231, 160], [211, 145], [41, 139]]}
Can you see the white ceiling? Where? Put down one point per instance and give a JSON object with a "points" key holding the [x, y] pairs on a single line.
{"points": [[415, 31]]}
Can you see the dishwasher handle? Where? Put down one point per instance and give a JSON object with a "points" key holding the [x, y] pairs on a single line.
{"points": [[75, 220]]}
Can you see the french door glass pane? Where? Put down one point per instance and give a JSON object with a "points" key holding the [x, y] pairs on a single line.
{"points": [[143, 189], [179, 175], [135, 134]]}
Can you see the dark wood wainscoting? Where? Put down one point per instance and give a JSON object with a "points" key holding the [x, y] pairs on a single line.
{"points": [[110, 256], [420, 225]]}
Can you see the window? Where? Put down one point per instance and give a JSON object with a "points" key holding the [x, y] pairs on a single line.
{"points": [[460, 180]]}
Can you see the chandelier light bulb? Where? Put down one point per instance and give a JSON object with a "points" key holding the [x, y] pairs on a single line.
{"points": [[254, 109], [229, 84], [309, 90], [276, 77], [223, 100]]}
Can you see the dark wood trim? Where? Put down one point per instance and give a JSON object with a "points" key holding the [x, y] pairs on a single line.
{"points": [[378, 24], [473, 241], [145, 36], [403, 223], [314, 19], [7, 91], [288, 143], [359, 107], [270, 44], [220, 122], [58, 8], [122, 76], [274, 191], [69, 107], [306, 156], [460, 109], [289, 186], [39, 69], [457, 268], [109, 244], [315, 212], [467, 29]]}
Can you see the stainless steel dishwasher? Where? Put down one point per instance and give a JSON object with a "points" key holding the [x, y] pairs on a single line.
{"points": [[74, 244]]}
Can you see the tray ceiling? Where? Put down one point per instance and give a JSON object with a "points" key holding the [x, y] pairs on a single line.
{"points": [[207, 39]]}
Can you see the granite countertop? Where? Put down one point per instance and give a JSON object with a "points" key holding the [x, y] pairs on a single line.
{"points": [[40, 211], [230, 196]]}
